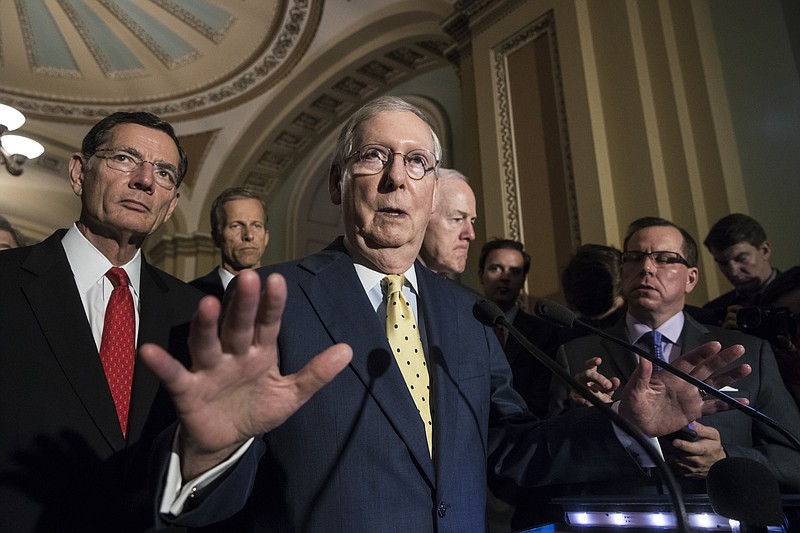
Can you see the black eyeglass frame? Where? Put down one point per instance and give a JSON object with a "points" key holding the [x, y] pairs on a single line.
{"points": [[666, 258], [390, 158]]}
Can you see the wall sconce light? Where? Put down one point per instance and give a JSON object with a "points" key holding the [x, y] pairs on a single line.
{"points": [[15, 149]]}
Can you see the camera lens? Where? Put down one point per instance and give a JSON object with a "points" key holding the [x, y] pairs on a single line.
{"points": [[748, 318]]}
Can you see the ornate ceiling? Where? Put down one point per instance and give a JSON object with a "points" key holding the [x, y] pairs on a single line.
{"points": [[81, 59], [251, 86]]}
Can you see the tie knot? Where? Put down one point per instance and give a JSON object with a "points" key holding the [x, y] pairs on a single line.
{"points": [[117, 276], [394, 283], [652, 337]]}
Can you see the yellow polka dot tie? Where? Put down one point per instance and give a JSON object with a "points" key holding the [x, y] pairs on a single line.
{"points": [[403, 335]]}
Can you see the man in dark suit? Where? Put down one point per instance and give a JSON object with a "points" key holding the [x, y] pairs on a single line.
{"points": [[502, 268], [658, 271], [70, 458], [239, 229], [346, 440], [743, 254]]}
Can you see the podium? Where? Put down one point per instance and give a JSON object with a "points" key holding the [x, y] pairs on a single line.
{"points": [[630, 514]]}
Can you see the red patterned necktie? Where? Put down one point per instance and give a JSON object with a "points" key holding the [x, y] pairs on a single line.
{"points": [[117, 348]]}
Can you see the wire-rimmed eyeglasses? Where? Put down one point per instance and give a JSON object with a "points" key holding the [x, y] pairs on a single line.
{"points": [[118, 159], [373, 158], [659, 258]]}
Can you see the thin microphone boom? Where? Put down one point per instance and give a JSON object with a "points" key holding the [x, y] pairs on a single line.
{"points": [[490, 314], [562, 316]]}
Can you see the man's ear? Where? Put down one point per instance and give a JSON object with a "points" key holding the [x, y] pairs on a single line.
{"points": [[766, 249], [335, 184], [692, 279], [76, 173]]}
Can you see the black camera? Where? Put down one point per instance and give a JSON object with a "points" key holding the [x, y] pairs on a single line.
{"points": [[766, 322]]}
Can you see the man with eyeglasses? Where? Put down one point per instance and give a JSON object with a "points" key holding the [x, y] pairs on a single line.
{"points": [[239, 230], [408, 406], [659, 268], [78, 412]]}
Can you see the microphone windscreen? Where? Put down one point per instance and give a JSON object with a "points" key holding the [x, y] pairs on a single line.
{"points": [[554, 312], [487, 312], [745, 490]]}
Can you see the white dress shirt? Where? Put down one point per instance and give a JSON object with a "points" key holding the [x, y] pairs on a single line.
{"points": [[89, 268]]}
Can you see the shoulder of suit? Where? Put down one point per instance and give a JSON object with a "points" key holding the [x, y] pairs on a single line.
{"points": [[173, 284], [724, 300], [582, 344], [729, 337]]}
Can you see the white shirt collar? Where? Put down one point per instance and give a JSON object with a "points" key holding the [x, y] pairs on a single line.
{"points": [[225, 276], [512, 313], [89, 266], [670, 330], [371, 281]]}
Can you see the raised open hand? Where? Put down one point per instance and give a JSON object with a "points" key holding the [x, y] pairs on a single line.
{"points": [[234, 389], [660, 403]]}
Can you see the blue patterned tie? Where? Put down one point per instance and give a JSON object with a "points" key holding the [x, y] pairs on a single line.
{"points": [[653, 341]]}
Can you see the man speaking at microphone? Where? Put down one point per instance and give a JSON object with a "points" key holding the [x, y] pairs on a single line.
{"points": [[659, 268], [390, 427]]}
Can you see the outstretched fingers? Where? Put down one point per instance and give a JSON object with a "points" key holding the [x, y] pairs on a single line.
{"points": [[708, 358], [321, 370], [244, 316], [168, 369]]}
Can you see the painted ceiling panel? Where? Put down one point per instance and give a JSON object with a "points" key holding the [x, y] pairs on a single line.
{"points": [[112, 55], [203, 16], [165, 44], [45, 46]]}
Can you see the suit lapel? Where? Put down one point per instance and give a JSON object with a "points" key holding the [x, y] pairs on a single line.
{"points": [[155, 311], [622, 361], [443, 356], [56, 303], [693, 335], [336, 295], [512, 347]]}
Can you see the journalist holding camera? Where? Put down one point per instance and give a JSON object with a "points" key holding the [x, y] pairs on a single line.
{"points": [[777, 319], [742, 252]]}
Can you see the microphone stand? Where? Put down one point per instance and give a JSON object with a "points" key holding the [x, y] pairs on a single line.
{"points": [[488, 313], [564, 317]]}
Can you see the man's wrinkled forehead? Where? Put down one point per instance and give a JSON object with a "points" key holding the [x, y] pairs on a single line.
{"points": [[373, 130]]}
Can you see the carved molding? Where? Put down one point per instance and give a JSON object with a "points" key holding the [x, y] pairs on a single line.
{"points": [[544, 27]]}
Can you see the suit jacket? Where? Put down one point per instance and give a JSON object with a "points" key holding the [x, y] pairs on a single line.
{"points": [[355, 458], [740, 435], [211, 284], [531, 379], [64, 465]]}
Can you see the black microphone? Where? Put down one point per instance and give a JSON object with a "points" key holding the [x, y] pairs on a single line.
{"points": [[491, 315], [559, 314], [745, 490]]}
